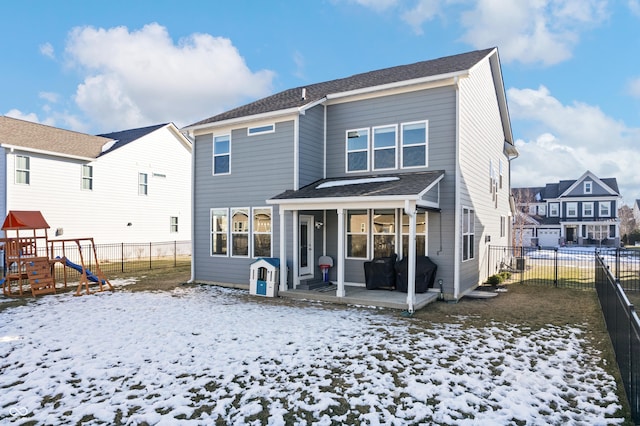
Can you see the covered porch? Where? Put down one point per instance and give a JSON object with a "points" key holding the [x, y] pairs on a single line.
{"points": [[405, 195]]}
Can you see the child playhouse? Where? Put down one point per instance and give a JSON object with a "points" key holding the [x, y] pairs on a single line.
{"points": [[29, 261]]}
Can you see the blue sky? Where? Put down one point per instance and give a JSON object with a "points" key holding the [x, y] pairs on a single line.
{"points": [[571, 67]]}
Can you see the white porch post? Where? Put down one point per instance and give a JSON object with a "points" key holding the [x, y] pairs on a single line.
{"points": [[296, 250], [340, 272], [283, 252], [411, 267]]}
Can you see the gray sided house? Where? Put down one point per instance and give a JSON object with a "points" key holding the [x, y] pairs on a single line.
{"points": [[412, 160], [580, 212]]}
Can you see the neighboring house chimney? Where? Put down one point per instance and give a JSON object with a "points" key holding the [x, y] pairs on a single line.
{"points": [[304, 93]]}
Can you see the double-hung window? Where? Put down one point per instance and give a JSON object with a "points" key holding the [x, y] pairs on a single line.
{"points": [[553, 210], [468, 233], [414, 144], [357, 234], [262, 232], [588, 187], [421, 234], [143, 184], [384, 147], [384, 233], [173, 224], [222, 155], [572, 209], [358, 150], [87, 177], [240, 232], [23, 170], [587, 209], [605, 209], [219, 231]]}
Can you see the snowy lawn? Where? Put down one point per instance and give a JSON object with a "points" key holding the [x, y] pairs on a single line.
{"points": [[201, 355]]}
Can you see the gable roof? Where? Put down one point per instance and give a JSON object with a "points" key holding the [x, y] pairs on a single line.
{"points": [[123, 137], [39, 137], [556, 190], [22, 219], [306, 95]]}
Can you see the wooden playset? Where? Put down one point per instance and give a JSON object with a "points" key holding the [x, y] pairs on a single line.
{"points": [[29, 261]]}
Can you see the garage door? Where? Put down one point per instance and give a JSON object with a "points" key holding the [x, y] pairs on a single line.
{"points": [[548, 237]]}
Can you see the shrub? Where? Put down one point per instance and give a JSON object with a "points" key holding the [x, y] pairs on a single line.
{"points": [[494, 279]]}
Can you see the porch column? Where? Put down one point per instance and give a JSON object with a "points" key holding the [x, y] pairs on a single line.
{"points": [[411, 267], [340, 272], [283, 252], [296, 250]]}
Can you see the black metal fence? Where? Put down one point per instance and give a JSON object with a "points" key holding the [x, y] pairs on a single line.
{"points": [[623, 325], [121, 258], [564, 266]]}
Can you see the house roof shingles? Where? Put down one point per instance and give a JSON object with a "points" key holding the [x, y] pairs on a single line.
{"points": [[125, 136], [404, 184], [46, 138], [292, 98]]}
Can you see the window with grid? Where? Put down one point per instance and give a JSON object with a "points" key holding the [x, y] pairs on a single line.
{"points": [[87, 177], [468, 233], [173, 227], [262, 232], [219, 232], [143, 184], [23, 169], [240, 232]]}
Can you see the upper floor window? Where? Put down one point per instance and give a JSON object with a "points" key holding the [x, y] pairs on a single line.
{"points": [[143, 184], [572, 209], [87, 177], [222, 155], [23, 169], [269, 128], [468, 233], [587, 209], [173, 224], [554, 210], [605, 209], [414, 144], [588, 187], [384, 147], [358, 150]]}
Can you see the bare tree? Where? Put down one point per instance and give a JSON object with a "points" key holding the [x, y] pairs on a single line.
{"points": [[627, 222], [523, 198]]}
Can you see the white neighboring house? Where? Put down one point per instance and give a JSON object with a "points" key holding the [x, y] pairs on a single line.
{"points": [[131, 186]]}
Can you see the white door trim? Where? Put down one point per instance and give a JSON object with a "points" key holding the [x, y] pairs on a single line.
{"points": [[307, 222]]}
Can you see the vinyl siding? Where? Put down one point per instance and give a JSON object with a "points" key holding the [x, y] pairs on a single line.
{"points": [[262, 166], [312, 145], [436, 105], [481, 145], [103, 213]]}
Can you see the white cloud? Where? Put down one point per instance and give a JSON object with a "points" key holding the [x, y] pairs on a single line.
{"points": [[424, 10], [49, 97], [47, 50], [16, 113], [543, 31], [564, 141], [136, 78], [377, 5], [634, 6], [634, 87]]}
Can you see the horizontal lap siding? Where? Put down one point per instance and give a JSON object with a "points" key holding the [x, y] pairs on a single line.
{"points": [[262, 166], [438, 107], [481, 143], [312, 145]]}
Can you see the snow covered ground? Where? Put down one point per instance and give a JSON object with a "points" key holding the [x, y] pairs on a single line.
{"points": [[201, 354]]}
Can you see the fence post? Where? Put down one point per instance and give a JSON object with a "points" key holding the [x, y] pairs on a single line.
{"points": [[122, 256], [150, 256], [555, 266], [175, 253]]}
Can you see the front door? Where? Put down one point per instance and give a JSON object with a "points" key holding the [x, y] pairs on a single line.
{"points": [[306, 262]]}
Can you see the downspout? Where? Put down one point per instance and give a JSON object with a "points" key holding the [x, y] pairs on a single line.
{"points": [[189, 136], [458, 207], [411, 268]]}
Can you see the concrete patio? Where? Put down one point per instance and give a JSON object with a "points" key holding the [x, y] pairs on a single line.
{"points": [[361, 296]]}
